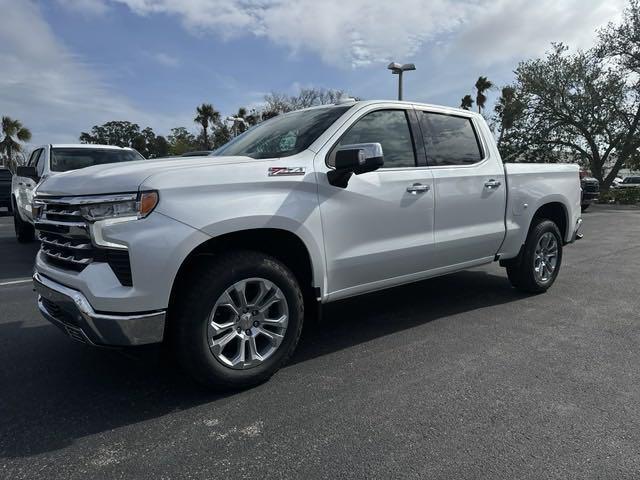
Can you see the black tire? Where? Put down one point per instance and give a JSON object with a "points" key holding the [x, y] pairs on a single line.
{"points": [[189, 318], [584, 206], [521, 270], [25, 233]]}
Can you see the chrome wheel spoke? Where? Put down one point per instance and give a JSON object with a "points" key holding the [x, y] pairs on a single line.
{"points": [[227, 301], [219, 344], [240, 289], [253, 351], [219, 328], [280, 322], [274, 338], [240, 357], [264, 291]]}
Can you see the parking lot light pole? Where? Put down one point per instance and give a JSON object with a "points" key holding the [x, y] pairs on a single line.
{"points": [[398, 69]]}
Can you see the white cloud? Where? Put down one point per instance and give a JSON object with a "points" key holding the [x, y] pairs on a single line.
{"points": [[45, 86], [519, 29], [361, 32], [356, 32], [92, 7]]}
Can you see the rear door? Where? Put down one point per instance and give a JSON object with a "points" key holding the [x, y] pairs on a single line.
{"points": [[470, 190], [378, 231]]}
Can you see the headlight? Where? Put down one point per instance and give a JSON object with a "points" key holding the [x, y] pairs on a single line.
{"points": [[130, 206]]}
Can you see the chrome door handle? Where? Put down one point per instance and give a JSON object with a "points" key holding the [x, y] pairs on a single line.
{"points": [[492, 183], [417, 188]]}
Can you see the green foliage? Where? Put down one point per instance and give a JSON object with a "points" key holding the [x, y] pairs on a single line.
{"points": [[118, 133], [575, 107], [127, 134], [508, 110], [13, 133], [626, 196], [622, 196], [206, 115], [221, 136], [467, 102], [482, 85], [181, 141]]}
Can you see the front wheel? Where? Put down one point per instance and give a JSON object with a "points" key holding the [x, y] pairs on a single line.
{"points": [[239, 321], [584, 206], [537, 267], [24, 231]]}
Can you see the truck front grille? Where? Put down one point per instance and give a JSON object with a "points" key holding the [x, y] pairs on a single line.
{"points": [[591, 187], [66, 241], [73, 253]]}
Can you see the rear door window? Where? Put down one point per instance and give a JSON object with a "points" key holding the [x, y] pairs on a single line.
{"points": [[449, 139]]}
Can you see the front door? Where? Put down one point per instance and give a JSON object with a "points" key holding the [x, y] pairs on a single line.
{"points": [[379, 229]]}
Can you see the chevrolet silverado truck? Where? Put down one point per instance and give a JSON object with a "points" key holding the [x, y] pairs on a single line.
{"points": [[47, 160], [223, 256]]}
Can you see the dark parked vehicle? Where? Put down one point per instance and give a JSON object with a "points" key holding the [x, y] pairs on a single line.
{"points": [[590, 190], [5, 188]]}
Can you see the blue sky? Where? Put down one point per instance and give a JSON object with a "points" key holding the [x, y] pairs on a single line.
{"points": [[71, 64]]}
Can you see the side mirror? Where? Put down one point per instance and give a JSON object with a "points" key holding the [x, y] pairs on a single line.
{"points": [[28, 172], [358, 158]]}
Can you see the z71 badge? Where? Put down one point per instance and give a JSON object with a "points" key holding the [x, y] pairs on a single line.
{"points": [[285, 171]]}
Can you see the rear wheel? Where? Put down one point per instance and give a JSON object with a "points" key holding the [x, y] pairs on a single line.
{"points": [[25, 232], [537, 267], [240, 321]]}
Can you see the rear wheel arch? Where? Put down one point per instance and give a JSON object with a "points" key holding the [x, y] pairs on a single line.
{"points": [[557, 213]]}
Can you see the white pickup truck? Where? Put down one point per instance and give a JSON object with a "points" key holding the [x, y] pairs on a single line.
{"points": [[223, 255], [47, 160]]}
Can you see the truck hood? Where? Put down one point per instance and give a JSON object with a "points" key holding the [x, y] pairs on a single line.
{"points": [[123, 177]]}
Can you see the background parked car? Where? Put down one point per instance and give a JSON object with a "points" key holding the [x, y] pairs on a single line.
{"points": [[5, 188], [49, 160], [590, 189], [630, 182]]}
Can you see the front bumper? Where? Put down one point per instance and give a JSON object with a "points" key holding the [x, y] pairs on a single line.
{"points": [[70, 310]]}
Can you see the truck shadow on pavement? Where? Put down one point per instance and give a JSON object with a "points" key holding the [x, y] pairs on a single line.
{"points": [[55, 391]]}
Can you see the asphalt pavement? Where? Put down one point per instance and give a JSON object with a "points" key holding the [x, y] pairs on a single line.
{"points": [[459, 377]]}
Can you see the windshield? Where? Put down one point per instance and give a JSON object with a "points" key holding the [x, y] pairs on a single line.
{"points": [[631, 180], [283, 135], [65, 159]]}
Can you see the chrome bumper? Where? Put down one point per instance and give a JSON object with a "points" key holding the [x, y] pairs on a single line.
{"points": [[69, 310]]}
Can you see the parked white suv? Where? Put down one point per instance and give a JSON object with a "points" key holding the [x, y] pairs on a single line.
{"points": [[223, 256], [48, 160]]}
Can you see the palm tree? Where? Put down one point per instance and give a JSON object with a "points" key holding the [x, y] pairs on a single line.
{"points": [[466, 102], [241, 125], [13, 128], [482, 85], [508, 109], [206, 115]]}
